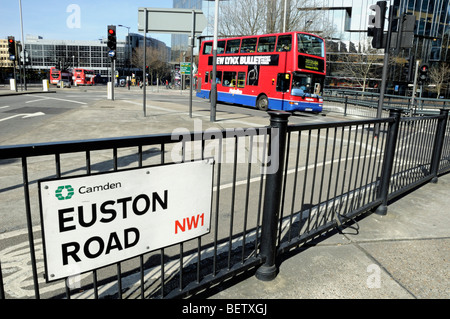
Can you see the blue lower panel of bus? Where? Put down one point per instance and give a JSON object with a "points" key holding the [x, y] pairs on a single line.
{"points": [[274, 104]]}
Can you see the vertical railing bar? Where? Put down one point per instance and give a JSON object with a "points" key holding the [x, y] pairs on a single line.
{"points": [[345, 171], [162, 273], [356, 189], [180, 285], [347, 206], [319, 201], [362, 187], [399, 160], [247, 197], [294, 188], [406, 145], [119, 268], [30, 225], [233, 200], [94, 272], [141, 257], [163, 151], [261, 189], [336, 185], [327, 213], [313, 180], [378, 160], [413, 152], [216, 222], [141, 272], [58, 175], [283, 195], [369, 166], [199, 257], [305, 177], [140, 156], [2, 290]]}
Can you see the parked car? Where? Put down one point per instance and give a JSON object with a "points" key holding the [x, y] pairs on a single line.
{"points": [[66, 83]]}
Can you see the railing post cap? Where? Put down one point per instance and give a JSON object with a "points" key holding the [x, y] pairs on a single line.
{"points": [[279, 116]]}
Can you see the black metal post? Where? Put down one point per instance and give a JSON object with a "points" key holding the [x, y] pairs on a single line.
{"points": [[388, 161], [2, 291], [438, 144], [272, 196]]}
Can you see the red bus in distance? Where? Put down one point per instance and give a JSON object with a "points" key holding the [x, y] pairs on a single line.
{"points": [[83, 77], [283, 71], [56, 75]]}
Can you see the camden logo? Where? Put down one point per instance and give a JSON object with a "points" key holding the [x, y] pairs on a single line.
{"points": [[63, 195]]}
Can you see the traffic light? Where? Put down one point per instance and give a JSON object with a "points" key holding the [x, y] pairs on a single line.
{"points": [[12, 48], [409, 68], [423, 73], [376, 24], [112, 38]]}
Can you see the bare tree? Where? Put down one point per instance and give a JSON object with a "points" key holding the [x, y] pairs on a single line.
{"points": [[250, 17], [361, 66], [439, 75], [156, 60]]}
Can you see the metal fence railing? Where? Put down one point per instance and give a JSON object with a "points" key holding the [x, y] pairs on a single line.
{"points": [[273, 188], [352, 102]]}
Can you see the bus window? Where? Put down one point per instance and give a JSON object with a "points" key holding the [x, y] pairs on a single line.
{"points": [[283, 81], [220, 47], [253, 75], [206, 77], [218, 77], [229, 78], [284, 43], [310, 45], [248, 45], [266, 44], [241, 80], [233, 46], [207, 48]]}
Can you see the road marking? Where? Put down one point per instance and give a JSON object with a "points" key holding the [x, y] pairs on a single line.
{"points": [[55, 98], [4, 107], [24, 116]]}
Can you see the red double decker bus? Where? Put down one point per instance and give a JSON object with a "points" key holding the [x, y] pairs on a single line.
{"points": [[57, 75], [83, 77], [283, 71]]}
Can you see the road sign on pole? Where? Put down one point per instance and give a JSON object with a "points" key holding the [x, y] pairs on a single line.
{"points": [[185, 68], [174, 21]]}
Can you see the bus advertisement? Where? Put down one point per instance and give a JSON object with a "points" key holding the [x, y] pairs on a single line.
{"points": [[284, 71], [83, 77], [57, 75]]}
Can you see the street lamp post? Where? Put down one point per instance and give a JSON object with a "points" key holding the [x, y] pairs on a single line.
{"points": [[129, 46]]}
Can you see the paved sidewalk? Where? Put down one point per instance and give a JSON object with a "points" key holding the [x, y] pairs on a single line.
{"points": [[402, 255]]}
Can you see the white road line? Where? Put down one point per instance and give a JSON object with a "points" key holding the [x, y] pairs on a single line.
{"points": [[4, 107], [54, 98]]}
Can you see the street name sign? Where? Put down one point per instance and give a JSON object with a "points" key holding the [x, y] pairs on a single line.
{"points": [[89, 222]]}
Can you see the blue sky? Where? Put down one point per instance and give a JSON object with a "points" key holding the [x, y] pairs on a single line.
{"points": [[74, 19]]}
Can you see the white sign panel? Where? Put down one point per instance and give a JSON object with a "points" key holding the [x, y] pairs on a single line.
{"points": [[92, 221], [174, 21]]}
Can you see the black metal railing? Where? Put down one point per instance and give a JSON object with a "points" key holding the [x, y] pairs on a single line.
{"points": [[274, 188]]}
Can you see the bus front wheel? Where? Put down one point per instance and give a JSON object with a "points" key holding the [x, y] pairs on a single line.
{"points": [[262, 103]]}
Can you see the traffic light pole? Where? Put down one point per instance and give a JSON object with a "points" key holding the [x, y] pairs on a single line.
{"points": [[112, 78], [144, 68], [385, 69]]}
